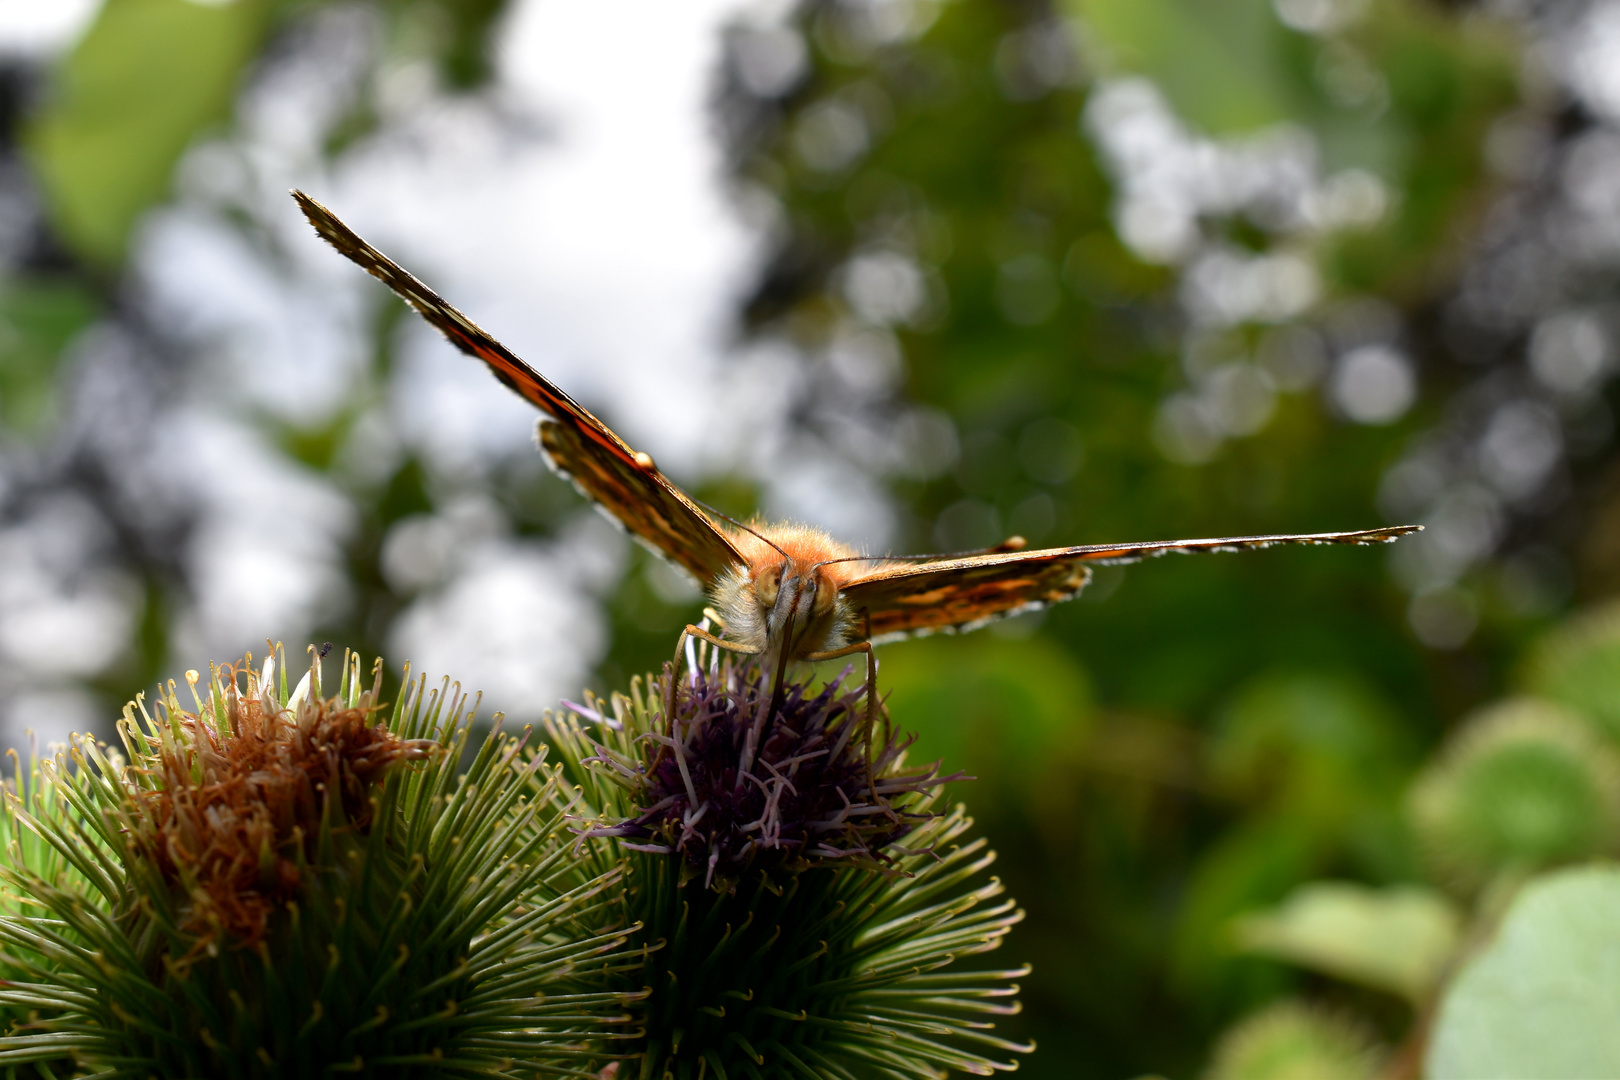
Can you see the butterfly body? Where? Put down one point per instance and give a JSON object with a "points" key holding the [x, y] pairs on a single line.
{"points": [[785, 592]]}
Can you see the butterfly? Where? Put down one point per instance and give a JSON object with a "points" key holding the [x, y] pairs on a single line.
{"points": [[783, 592]]}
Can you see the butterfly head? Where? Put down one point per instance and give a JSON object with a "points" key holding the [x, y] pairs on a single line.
{"points": [[787, 596], [798, 604]]}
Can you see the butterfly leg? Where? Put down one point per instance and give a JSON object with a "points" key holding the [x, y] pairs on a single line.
{"points": [[680, 644], [871, 681], [871, 705], [699, 632]]}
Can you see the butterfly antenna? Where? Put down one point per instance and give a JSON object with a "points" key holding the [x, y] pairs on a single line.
{"points": [[874, 558], [1011, 544], [723, 516]]}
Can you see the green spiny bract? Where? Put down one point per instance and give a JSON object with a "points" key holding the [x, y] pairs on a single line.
{"points": [[787, 933], [283, 885], [31, 792]]}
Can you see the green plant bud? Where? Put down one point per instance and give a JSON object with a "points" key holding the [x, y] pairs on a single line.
{"points": [[286, 884], [1578, 665], [804, 907], [1292, 1041], [1522, 785]]}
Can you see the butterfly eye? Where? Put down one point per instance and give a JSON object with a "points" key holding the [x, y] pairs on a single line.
{"points": [[767, 584], [826, 593]]}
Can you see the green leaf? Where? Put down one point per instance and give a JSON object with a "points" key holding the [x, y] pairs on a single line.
{"points": [[1216, 62], [1542, 999], [148, 76], [1397, 939], [37, 320]]}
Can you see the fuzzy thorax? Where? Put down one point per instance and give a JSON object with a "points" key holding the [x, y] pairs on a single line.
{"points": [[787, 595]]}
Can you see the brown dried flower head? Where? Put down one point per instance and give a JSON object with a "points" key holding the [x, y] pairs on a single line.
{"points": [[239, 795]]}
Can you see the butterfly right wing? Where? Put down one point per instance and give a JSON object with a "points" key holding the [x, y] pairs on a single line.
{"points": [[901, 599], [578, 445]]}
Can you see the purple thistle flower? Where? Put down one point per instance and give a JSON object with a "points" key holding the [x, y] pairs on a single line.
{"points": [[818, 787]]}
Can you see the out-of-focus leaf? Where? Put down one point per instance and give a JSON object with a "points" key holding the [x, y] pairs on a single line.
{"points": [[148, 76], [37, 319], [1542, 999], [1216, 62], [1578, 665], [1397, 939]]}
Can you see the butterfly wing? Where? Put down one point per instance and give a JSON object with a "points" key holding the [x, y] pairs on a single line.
{"points": [[578, 445], [642, 499], [902, 599]]}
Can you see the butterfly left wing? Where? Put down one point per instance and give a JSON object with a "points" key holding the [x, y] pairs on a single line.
{"points": [[626, 484], [901, 599]]}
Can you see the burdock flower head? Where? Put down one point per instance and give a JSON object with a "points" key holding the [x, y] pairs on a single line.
{"points": [[726, 789], [286, 884], [1522, 785], [230, 817], [803, 904]]}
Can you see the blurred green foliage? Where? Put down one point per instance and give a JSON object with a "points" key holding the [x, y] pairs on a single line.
{"points": [[1219, 65], [1193, 740], [148, 76], [1004, 707], [1500, 958], [102, 136], [37, 320]]}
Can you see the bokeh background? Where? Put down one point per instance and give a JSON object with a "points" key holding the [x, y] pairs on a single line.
{"points": [[923, 273]]}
